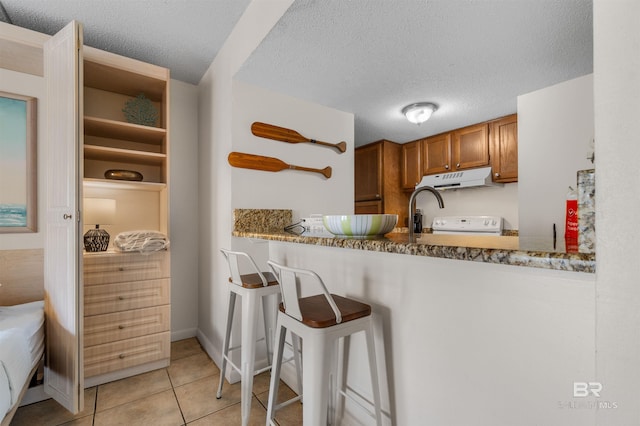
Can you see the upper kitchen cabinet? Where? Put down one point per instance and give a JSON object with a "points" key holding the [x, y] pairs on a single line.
{"points": [[470, 147], [504, 149], [436, 154], [377, 180], [411, 164]]}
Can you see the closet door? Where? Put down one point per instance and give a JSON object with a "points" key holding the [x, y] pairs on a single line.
{"points": [[63, 378]]}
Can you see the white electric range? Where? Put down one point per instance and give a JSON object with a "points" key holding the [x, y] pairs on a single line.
{"points": [[467, 225]]}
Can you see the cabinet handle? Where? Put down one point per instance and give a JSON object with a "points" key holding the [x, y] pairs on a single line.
{"points": [[446, 166], [121, 356], [458, 166], [497, 175], [121, 327], [121, 269], [120, 297], [67, 216]]}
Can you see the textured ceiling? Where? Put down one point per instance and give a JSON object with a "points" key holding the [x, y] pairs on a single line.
{"points": [[369, 57], [470, 57], [182, 35]]}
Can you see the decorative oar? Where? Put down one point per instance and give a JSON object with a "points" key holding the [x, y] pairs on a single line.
{"points": [[269, 164], [281, 134]]}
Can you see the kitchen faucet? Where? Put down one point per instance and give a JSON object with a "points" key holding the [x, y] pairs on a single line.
{"points": [[412, 202]]}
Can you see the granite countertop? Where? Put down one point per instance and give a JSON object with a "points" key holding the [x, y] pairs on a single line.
{"points": [[269, 225]]}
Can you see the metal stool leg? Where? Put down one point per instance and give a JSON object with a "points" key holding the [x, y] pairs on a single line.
{"points": [[373, 368], [281, 332], [270, 314], [314, 411], [227, 337], [248, 352]]}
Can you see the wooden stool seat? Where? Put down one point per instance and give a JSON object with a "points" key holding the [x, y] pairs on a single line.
{"points": [[317, 313], [254, 280]]}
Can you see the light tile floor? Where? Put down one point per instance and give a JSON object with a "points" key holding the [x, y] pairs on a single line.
{"points": [[182, 394]]}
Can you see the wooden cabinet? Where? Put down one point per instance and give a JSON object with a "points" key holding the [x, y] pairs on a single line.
{"points": [[127, 314], [87, 134], [126, 295], [470, 147], [436, 154], [504, 149], [369, 167], [461, 149], [377, 179], [369, 207], [411, 164]]}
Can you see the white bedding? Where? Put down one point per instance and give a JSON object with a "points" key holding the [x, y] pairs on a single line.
{"points": [[21, 348]]}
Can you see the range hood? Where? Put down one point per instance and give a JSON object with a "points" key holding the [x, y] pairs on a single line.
{"points": [[472, 178]]}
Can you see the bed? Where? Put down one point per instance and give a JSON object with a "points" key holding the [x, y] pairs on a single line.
{"points": [[21, 349]]}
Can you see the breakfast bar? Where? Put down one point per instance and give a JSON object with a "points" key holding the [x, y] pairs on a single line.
{"points": [[269, 225]]}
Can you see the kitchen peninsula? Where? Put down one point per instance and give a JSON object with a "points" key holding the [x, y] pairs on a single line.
{"points": [[269, 225]]}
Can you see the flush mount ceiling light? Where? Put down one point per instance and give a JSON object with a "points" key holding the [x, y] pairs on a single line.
{"points": [[419, 112]]}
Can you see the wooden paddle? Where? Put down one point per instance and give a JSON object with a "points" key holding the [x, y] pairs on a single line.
{"points": [[269, 164], [281, 134]]}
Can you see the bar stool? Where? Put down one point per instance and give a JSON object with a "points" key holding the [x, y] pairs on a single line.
{"points": [[320, 321], [252, 288]]}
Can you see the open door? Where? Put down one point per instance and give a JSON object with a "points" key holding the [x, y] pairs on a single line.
{"points": [[63, 378]]}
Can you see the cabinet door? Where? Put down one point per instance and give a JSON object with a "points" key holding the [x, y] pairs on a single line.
{"points": [[368, 172], [369, 207], [470, 147], [436, 154], [63, 245], [411, 164], [504, 149]]}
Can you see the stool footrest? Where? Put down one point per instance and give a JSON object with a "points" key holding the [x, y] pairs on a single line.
{"points": [[255, 372], [287, 402], [358, 400]]}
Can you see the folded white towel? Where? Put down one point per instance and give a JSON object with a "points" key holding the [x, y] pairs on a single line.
{"points": [[141, 241]]}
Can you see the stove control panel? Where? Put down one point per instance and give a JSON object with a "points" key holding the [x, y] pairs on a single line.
{"points": [[468, 224]]}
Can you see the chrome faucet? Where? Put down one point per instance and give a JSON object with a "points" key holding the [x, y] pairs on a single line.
{"points": [[412, 206]]}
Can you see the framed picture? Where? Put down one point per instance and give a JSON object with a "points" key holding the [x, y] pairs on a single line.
{"points": [[18, 167]]}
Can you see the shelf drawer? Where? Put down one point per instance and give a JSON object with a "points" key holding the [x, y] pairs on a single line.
{"points": [[114, 356], [99, 329], [107, 298], [121, 267]]}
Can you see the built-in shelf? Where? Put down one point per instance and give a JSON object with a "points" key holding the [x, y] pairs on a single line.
{"points": [[103, 153], [123, 184], [113, 129]]}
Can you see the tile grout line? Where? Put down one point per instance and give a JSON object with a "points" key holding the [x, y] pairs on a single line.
{"points": [[173, 389]]}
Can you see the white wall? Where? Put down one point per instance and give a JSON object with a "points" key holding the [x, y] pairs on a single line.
{"points": [[183, 209], [303, 192], [555, 130], [617, 112], [29, 85], [215, 135]]}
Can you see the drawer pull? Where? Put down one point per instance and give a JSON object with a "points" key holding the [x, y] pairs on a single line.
{"points": [[121, 356], [121, 327], [121, 269], [120, 297]]}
